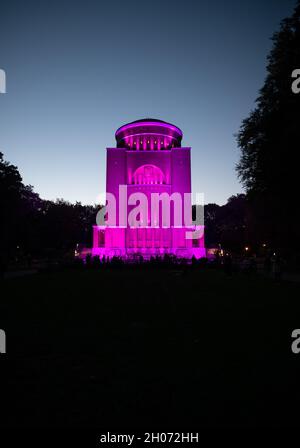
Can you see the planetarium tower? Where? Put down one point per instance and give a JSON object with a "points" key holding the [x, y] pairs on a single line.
{"points": [[149, 159]]}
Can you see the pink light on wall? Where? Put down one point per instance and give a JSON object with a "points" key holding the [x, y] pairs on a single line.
{"points": [[148, 174], [149, 123]]}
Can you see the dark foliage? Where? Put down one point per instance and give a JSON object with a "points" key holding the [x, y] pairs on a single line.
{"points": [[227, 225], [269, 142], [31, 226]]}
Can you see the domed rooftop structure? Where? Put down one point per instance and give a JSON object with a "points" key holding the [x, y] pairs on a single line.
{"points": [[148, 134]]}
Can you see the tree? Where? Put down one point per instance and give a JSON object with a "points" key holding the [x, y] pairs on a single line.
{"points": [[11, 189], [226, 224], [31, 225], [269, 142]]}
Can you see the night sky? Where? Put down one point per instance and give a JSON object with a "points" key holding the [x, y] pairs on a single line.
{"points": [[77, 70]]}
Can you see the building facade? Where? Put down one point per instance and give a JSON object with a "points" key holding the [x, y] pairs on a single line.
{"points": [[149, 161]]}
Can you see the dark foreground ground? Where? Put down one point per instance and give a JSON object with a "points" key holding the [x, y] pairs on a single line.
{"points": [[148, 348]]}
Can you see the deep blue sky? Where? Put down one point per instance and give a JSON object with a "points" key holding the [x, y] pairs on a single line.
{"points": [[77, 70]]}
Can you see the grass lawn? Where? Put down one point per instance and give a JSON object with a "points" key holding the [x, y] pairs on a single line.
{"points": [[139, 347]]}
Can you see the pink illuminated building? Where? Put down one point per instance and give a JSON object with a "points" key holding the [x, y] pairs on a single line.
{"points": [[148, 158]]}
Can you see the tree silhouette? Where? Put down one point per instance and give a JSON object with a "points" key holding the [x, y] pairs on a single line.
{"points": [[30, 225], [269, 142]]}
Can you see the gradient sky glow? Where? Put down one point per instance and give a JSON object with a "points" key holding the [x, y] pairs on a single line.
{"points": [[78, 70]]}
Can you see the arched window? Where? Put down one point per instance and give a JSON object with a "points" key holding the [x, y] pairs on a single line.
{"points": [[148, 175]]}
